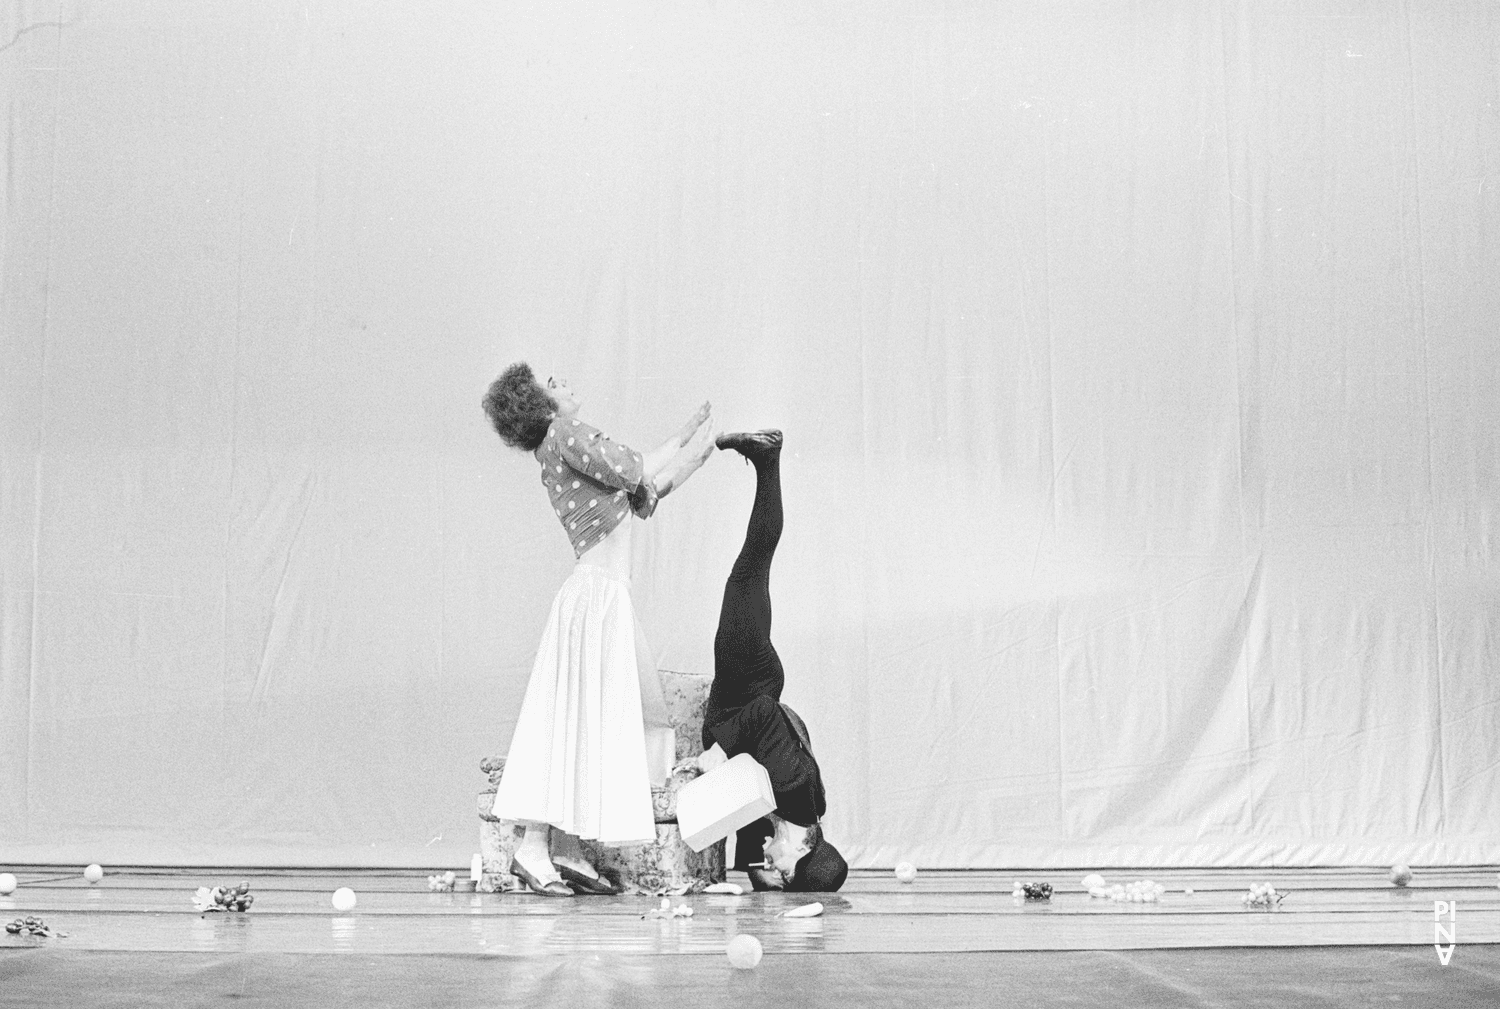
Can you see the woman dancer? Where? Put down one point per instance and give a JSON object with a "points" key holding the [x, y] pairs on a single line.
{"points": [[592, 733]]}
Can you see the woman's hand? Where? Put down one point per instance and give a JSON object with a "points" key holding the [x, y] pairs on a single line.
{"points": [[685, 460], [693, 424]]}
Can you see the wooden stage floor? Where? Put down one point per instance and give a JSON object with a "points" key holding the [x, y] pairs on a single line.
{"points": [[1342, 939], [150, 910]]}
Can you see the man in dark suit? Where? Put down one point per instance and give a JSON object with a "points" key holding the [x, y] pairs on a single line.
{"points": [[745, 713]]}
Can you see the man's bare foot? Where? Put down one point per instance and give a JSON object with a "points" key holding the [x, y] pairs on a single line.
{"points": [[694, 423]]}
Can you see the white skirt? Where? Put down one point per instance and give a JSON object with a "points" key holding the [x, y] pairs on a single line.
{"points": [[578, 758]]}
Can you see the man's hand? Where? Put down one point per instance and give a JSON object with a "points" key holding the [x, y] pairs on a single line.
{"points": [[711, 758], [703, 763]]}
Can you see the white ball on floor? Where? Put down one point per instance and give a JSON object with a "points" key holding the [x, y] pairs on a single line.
{"points": [[344, 899], [744, 951], [1400, 874], [7, 884], [1093, 881], [93, 874], [905, 872], [1188, 890]]}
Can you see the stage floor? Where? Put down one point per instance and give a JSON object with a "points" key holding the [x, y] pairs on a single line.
{"points": [[961, 931], [942, 912]]}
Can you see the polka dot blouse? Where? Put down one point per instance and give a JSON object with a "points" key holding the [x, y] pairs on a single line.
{"points": [[592, 482]]}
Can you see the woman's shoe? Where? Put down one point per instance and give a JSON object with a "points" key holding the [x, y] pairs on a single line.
{"points": [[751, 444], [585, 883], [552, 888]]}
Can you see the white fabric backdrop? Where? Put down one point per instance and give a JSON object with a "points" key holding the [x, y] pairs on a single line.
{"points": [[1137, 364]]}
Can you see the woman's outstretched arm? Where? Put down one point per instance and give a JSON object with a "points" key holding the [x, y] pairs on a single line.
{"points": [[658, 458], [669, 465]]}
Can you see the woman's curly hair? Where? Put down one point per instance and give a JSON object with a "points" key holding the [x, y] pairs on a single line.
{"points": [[519, 407]]}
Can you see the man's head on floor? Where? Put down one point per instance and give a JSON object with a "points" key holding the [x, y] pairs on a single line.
{"points": [[799, 859]]}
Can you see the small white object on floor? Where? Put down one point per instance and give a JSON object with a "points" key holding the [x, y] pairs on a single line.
{"points": [[1400, 874], [805, 911], [666, 910], [905, 872], [7, 884], [1142, 891], [733, 888], [1262, 895], [344, 899], [1093, 881], [93, 874], [1188, 890], [744, 952]]}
